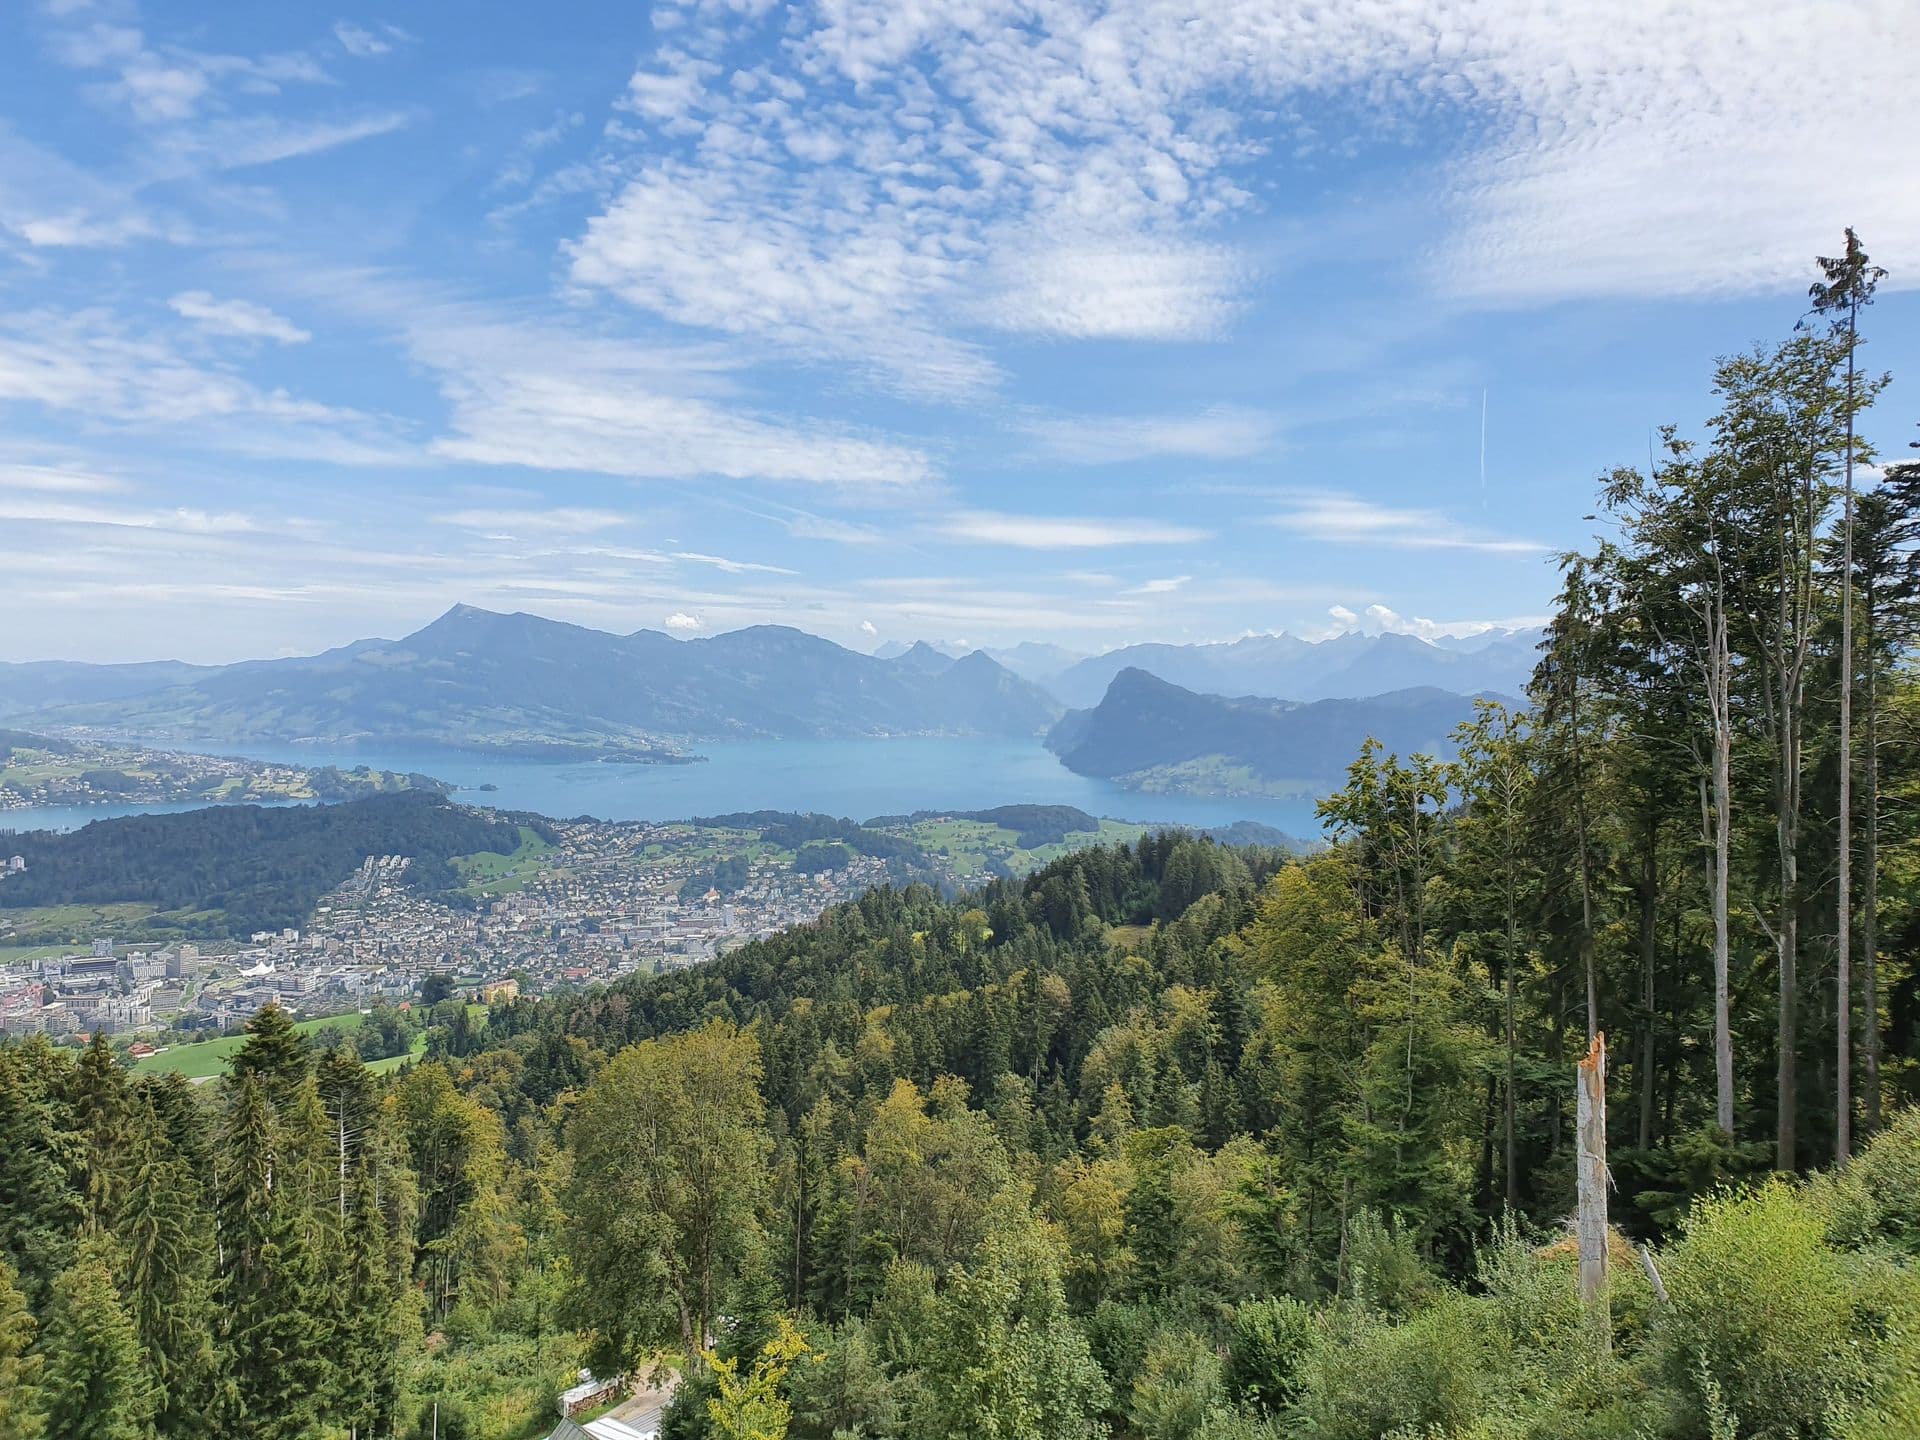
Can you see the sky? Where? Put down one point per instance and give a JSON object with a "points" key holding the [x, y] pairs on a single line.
{"points": [[973, 320]]}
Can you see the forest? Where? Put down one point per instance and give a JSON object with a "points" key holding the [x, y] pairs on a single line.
{"points": [[233, 869], [1167, 1139]]}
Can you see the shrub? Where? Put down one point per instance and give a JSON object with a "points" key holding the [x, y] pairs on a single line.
{"points": [[1270, 1343], [1179, 1384], [1371, 1378], [1763, 1309]]}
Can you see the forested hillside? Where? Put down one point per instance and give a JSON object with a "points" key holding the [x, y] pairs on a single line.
{"points": [[1164, 1140], [231, 870]]}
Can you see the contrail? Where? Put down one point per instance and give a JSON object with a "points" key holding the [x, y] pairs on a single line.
{"points": [[1483, 447]]}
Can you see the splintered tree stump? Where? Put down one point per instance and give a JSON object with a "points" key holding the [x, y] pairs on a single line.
{"points": [[1590, 1222]]}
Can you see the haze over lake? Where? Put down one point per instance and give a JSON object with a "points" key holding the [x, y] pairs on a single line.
{"points": [[854, 778]]}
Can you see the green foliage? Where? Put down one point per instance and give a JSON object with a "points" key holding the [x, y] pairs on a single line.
{"points": [[95, 1385], [20, 1412], [1269, 1345], [1765, 1308], [250, 868]]}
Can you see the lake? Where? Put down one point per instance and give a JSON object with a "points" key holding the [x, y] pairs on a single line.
{"points": [[854, 778]]}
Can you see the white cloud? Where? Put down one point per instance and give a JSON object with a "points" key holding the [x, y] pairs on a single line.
{"points": [[551, 398], [32, 509], [681, 621], [239, 318], [868, 628], [1064, 532], [1165, 586], [865, 181], [1348, 520], [731, 567], [55, 480], [563, 520], [364, 44], [840, 532], [1222, 432], [246, 142], [89, 363]]}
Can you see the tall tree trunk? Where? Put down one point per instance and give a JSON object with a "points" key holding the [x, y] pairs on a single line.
{"points": [[1870, 907], [1843, 918], [1719, 695], [1649, 896]]}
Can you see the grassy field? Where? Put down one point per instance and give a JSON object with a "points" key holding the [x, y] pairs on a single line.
{"points": [[28, 954], [970, 845], [490, 874], [77, 923], [209, 1057], [394, 1062]]}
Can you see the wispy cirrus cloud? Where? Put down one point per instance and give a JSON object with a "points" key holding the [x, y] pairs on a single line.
{"points": [[1221, 432], [1336, 519], [560, 520], [238, 318], [1064, 532]]}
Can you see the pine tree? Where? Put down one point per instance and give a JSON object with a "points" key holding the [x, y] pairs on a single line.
{"points": [[20, 1415], [97, 1386], [275, 1054], [101, 1103], [168, 1243], [271, 1330]]}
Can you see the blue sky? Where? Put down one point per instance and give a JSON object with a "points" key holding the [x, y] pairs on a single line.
{"points": [[979, 321]]}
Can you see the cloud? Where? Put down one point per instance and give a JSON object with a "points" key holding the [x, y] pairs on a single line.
{"points": [[561, 521], [55, 480], [681, 621], [1165, 586], [32, 509], [1348, 520], [365, 44], [870, 183], [246, 142], [238, 318], [841, 532], [1222, 432], [868, 628], [1064, 532], [89, 363], [1380, 619], [731, 567], [553, 398]]}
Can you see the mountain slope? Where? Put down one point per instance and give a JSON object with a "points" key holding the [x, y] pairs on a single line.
{"points": [[1287, 667], [40, 684], [1148, 734], [474, 678]]}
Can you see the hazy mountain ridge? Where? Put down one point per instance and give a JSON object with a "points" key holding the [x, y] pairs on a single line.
{"points": [[1149, 734], [475, 678], [1289, 668]]}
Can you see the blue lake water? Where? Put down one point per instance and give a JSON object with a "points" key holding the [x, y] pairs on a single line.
{"points": [[858, 779]]}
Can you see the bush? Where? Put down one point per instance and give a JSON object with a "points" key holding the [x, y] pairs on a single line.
{"points": [[1763, 1309], [1371, 1378], [1270, 1343], [1178, 1385], [1876, 1199]]}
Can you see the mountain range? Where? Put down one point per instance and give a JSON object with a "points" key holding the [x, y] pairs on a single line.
{"points": [[1285, 667], [1148, 734], [477, 679], [1155, 716]]}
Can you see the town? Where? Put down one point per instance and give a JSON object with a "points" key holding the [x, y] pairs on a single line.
{"points": [[606, 900]]}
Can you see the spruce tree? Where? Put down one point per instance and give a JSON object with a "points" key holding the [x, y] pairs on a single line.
{"points": [[20, 1415], [275, 1054], [271, 1336], [97, 1386], [168, 1243]]}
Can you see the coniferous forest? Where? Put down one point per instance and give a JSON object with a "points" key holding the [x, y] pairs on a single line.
{"points": [[1167, 1140]]}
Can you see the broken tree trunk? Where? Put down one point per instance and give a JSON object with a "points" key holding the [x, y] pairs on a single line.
{"points": [[1591, 1218]]}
